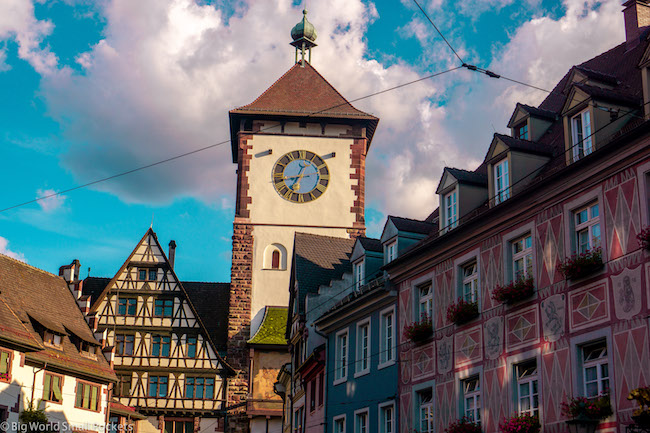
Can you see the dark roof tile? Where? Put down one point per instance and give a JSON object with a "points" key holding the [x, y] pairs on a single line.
{"points": [[410, 225]]}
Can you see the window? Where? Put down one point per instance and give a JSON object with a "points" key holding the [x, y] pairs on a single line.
{"points": [[451, 210], [124, 344], [157, 386], [595, 369], [387, 336], [361, 421], [391, 251], [164, 308], [527, 388], [470, 282], [339, 424], [52, 385], [359, 275], [5, 365], [501, 182], [160, 345], [52, 339], [581, 134], [341, 361], [153, 274], [191, 347], [587, 226], [387, 418], [472, 398], [521, 131], [363, 347], [199, 387], [88, 350], [298, 416], [312, 395], [88, 396], [275, 259], [425, 410], [142, 274], [522, 257], [179, 427], [123, 388], [127, 306], [321, 388], [425, 301]]}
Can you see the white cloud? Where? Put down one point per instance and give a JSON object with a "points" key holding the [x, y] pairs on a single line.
{"points": [[50, 204], [4, 249], [17, 21]]}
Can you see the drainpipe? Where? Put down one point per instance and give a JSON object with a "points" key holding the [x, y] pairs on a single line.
{"points": [[108, 407], [325, 378], [34, 381]]}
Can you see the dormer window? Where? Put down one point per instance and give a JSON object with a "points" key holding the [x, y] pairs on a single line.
{"points": [[87, 350], [359, 274], [391, 251], [521, 131], [581, 134], [501, 182], [451, 210], [52, 339]]}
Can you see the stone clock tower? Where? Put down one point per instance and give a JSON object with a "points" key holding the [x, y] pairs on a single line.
{"points": [[300, 151]]}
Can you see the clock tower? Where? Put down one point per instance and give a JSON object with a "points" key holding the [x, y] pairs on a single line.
{"points": [[300, 151]]}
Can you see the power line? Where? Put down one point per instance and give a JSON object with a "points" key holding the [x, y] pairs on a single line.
{"points": [[440, 33], [192, 152]]}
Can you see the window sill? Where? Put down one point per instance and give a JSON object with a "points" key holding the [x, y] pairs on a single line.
{"points": [[53, 402], [361, 373], [386, 364], [274, 269], [340, 381]]}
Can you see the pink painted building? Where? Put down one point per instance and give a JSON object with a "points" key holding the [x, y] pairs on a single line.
{"points": [[573, 177]]}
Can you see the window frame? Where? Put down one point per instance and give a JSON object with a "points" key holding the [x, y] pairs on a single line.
{"points": [[533, 381], [120, 384], [522, 255], [597, 363], [8, 360], [586, 199], [299, 414], [80, 387], [161, 344], [164, 307], [390, 251], [117, 343], [195, 386], [359, 273], [381, 425], [335, 422], [501, 194], [340, 365], [49, 387], [475, 395], [357, 413], [387, 354], [429, 406], [518, 127], [426, 300], [188, 346], [577, 143], [360, 356], [451, 218], [127, 306], [158, 383], [588, 225], [472, 278]]}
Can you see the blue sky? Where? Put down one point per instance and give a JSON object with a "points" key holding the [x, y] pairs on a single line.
{"points": [[93, 88]]}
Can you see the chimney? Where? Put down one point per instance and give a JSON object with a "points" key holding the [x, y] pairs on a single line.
{"points": [[637, 17], [172, 252]]}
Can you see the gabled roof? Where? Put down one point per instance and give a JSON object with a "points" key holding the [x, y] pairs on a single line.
{"points": [[271, 331], [597, 76], [517, 144], [532, 111], [212, 301], [464, 177], [317, 260], [301, 92], [411, 225], [371, 244], [32, 299]]}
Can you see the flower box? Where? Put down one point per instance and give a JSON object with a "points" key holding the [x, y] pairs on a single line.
{"points": [[582, 265], [518, 290], [463, 425], [462, 311], [419, 332], [644, 238], [5, 376], [597, 408], [524, 423]]}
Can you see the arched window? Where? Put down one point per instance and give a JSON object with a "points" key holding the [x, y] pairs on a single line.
{"points": [[275, 257], [275, 260]]}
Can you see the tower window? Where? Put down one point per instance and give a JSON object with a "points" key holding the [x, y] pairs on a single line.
{"points": [[275, 257], [275, 260]]}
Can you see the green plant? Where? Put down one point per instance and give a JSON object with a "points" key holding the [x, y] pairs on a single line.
{"points": [[517, 290], [597, 408], [524, 423], [581, 265], [419, 332], [463, 425], [462, 311], [34, 419]]}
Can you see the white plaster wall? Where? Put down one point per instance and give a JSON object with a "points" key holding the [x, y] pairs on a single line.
{"points": [[22, 380], [258, 425], [332, 209]]}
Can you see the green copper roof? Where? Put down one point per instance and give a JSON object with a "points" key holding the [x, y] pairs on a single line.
{"points": [[273, 326], [304, 29]]}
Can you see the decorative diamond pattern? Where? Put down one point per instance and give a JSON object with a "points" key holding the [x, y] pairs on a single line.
{"points": [[588, 306], [521, 328]]}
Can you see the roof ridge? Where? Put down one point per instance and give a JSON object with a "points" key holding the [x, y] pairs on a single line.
{"points": [[30, 266], [410, 219], [334, 88], [205, 282], [323, 236], [267, 89]]}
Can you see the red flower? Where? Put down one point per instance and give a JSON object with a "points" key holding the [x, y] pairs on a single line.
{"points": [[596, 408], [463, 425], [420, 331], [462, 311], [517, 290], [644, 238], [524, 423], [581, 265]]}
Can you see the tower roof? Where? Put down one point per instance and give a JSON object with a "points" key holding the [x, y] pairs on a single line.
{"points": [[301, 93], [304, 29]]}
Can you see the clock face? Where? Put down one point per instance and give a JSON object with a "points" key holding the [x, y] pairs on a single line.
{"points": [[300, 176]]}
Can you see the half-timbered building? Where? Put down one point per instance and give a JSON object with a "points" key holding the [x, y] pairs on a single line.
{"points": [[168, 366]]}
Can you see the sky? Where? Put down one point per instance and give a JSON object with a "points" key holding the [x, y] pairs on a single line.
{"points": [[92, 88]]}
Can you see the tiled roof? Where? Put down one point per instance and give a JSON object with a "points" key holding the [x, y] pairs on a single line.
{"points": [[525, 145], [319, 260], [538, 112], [32, 299], [410, 225], [303, 91], [271, 331], [211, 301], [371, 244], [598, 76], [603, 94], [471, 177]]}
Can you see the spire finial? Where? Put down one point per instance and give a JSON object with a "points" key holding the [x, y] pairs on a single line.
{"points": [[303, 35]]}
